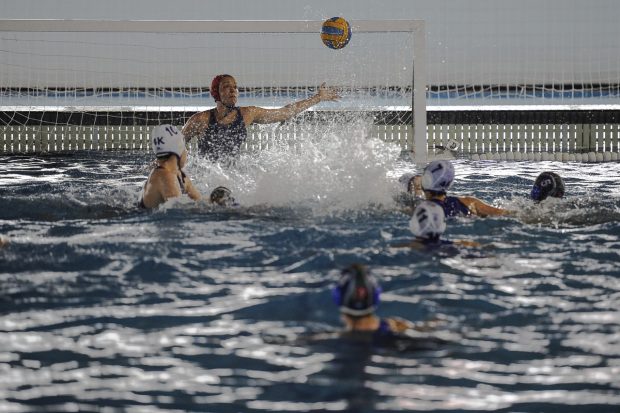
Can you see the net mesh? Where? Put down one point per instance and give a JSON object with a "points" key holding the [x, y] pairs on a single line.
{"points": [[98, 84], [175, 69]]}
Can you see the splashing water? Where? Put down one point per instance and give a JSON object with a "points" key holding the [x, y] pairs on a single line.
{"points": [[335, 169]]}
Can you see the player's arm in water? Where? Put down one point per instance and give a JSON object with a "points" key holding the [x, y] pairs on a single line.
{"points": [[467, 243], [482, 209], [255, 114], [418, 245], [399, 325]]}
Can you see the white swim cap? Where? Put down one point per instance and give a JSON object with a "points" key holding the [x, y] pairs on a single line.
{"points": [[438, 176], [428, 220], [167, 140]]}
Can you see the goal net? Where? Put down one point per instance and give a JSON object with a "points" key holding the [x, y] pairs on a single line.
{"points": [[79, 84]]}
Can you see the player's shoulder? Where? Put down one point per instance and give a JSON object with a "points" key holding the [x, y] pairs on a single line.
{"points": [[252, 114], [201, 116], [162, 176], [250, 109]]}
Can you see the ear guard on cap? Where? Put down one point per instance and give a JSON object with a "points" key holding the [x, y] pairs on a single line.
{"points": [[547, 184], [356, 293], [167, 140]]}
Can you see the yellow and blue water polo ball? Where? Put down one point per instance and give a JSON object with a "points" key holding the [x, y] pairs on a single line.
{"points": [[336, 33]]}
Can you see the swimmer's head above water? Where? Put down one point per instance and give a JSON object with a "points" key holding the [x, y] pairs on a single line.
{"points": [[222, 196], [428, 221], [167, 140], [357, 292], [438, 177], [547, 184], [407, 182], [224, 90], [357, 296]]}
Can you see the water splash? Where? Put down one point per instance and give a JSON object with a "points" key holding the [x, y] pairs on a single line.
{"points": [[335, 168]]}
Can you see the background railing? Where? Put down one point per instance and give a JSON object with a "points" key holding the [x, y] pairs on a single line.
{"points": [[477, 132]]}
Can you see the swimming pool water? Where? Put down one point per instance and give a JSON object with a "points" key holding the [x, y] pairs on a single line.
{"points": [[107, 308]]}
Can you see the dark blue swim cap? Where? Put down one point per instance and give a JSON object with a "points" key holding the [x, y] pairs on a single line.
{"points": [[548, 184], [357, 293]]}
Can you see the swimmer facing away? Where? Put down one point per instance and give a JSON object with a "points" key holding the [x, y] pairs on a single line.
{"points": [[408, 197], [357, 296], [222, 130], [167, 179], [411, 184], [434, 183], [428, 225], [547, 184]]}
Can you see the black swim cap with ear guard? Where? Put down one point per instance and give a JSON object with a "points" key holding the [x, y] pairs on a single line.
{"points": [[548, 184]]}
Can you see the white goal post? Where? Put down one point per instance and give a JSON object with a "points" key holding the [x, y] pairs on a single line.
{"points": [[55, 74]]}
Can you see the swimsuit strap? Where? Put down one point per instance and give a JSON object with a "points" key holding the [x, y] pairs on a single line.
{"points": [[222, 140], [181, 180], [212, 116], [452, 206]]}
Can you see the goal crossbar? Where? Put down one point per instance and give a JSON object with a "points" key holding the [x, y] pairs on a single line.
{"points": [[201, 26]]}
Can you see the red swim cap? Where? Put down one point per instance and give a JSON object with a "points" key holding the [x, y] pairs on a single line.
{"points": [[215, 86]]}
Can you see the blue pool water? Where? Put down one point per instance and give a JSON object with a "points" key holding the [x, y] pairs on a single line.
{"points": [[190, 308]]}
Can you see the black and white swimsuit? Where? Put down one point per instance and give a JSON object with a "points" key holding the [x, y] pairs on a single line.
{"points": [[180, 179], [222, 141]]}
